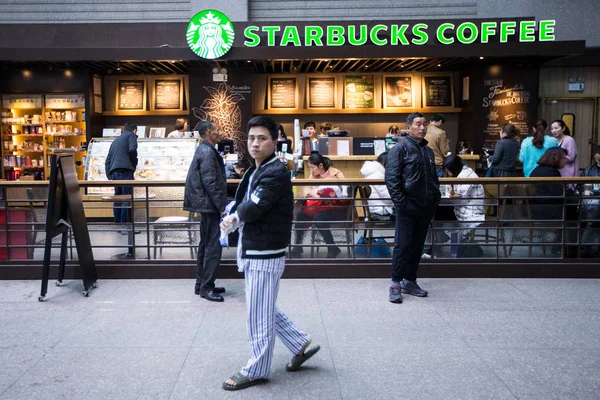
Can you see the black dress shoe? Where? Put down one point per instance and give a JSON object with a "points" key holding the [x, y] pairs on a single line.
{"points": [[211, 296], [218, 289]]}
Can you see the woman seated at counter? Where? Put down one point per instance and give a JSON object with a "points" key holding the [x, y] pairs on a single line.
{"points": [[467, 199], [321, 205], [380, 210]]}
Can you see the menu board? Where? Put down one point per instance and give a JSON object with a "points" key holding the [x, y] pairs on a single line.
{"points": [[506, 101], [359, 91], [321, 92], [282, 92], [437, 91], [131, 94], [167, 94], [398, 91]]}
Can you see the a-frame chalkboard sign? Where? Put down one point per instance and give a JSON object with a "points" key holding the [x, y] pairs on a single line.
{"points": [[65, 210]]}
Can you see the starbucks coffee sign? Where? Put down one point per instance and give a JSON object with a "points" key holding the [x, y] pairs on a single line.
{"points": [[210, 33]]}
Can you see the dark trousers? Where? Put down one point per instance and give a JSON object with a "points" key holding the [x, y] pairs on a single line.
{"points": [[321, 220], [209, 252], [412, 223], [122, 211]]}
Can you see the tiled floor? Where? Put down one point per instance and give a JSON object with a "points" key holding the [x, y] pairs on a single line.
{"points": [[154, 339]]}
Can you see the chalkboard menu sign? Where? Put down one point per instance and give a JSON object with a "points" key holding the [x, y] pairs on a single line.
{"points": [[321, 92], [167, 94], [437, 91], [282, 92], [359, 91], [131, 94]]}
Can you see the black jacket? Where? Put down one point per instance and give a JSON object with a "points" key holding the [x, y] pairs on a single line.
{"points": [[410, 174], [592, 170], [205, 185], [505, 154], [122, 153], [268, 212]]}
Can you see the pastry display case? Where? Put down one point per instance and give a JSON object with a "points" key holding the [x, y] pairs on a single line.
{"points": [[158, 159]]}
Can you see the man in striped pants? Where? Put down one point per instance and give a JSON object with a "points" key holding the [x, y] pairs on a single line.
{"points": [[263, 213]]}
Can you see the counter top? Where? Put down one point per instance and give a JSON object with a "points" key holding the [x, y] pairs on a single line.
{"points": [[346, 158]]}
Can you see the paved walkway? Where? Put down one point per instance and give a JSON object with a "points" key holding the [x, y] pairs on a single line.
{"points": [[153, 339]]}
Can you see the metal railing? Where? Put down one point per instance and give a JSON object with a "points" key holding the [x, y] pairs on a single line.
{"points": [[525, 218]]}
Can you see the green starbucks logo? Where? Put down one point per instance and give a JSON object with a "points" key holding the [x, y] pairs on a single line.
{"points": [[210, 34]]}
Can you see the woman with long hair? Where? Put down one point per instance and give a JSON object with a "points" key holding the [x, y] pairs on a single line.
{"points": [[562, 133], [322, 205], [534, 147], [506, 151]]}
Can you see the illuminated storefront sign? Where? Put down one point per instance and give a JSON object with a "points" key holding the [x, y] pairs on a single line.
{"points": [[381, 34]]}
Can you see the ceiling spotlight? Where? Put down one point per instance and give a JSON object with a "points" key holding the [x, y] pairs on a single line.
{"points": [[402, 59], [481, 58], [173, 62], [109, 71], [331, 66], [248, 61], [26, 73], [154, 69], [401, 65], [439, 65]]}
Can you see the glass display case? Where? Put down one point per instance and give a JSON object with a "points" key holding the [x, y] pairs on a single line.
{"points": [[158, 159]]}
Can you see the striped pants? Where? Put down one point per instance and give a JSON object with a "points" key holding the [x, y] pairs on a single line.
{"points": [[265, 320]]}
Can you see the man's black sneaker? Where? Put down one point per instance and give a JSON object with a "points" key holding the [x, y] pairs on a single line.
{"points": [[395, 294], [218, 290], [411, 287], [211, 296]]}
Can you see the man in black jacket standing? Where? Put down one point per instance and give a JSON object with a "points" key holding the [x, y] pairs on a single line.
{"points": [[411, 179], [263, 212], [206, 193], [120, 165]]}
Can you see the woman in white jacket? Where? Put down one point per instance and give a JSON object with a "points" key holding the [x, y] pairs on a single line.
{"points": [[380, 209], [471, 208]]}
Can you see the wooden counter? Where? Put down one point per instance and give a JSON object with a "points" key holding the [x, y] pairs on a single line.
{"points": [[351, 165]]}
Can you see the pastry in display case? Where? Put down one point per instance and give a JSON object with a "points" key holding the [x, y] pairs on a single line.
{"points": [[158, 159]]}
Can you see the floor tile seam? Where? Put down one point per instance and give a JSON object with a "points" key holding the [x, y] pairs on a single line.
{"points": [[24, 373], [520, 290], [329, 348], [186, 356], [491, 369]]}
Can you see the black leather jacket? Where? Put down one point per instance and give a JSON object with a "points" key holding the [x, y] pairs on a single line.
{"points": [[268, 212], [206, 186], [410, 174], [592, 170]]}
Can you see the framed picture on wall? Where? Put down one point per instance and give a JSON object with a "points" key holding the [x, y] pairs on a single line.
{"points": [[321, 92], [398, 91], [359, 91], [283, 92], [131, 94], [167, 94], [157, 133], [438, 90]]}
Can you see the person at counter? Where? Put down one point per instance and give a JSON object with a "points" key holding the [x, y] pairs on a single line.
{"points": [[320, 207], [381, 210], [562, 133], [506, 151], [282, 138], [311, 127], [325, 126], [181, 126], [590, 209], [534, 147], [393, 131], [413, 185], [437, 141], [120, 165]]}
